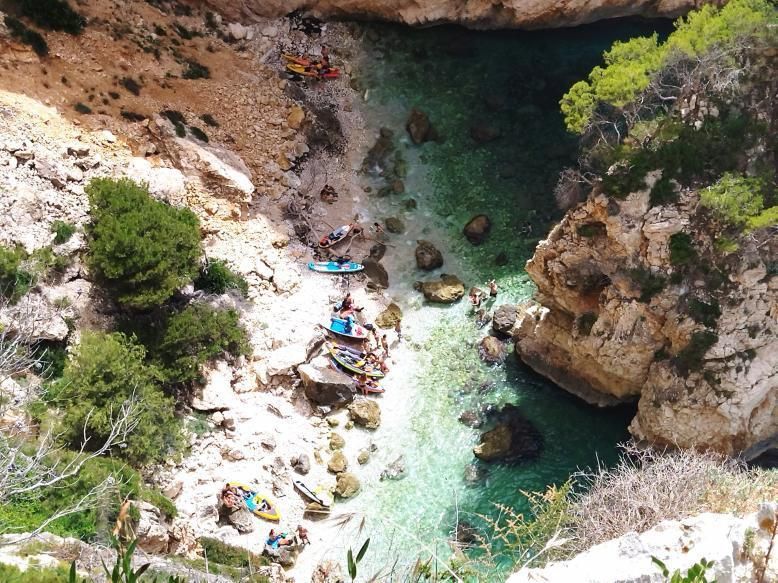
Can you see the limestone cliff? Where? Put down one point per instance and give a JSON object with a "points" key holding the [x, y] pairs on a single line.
{"points": [[527, 14], [602, 328]]}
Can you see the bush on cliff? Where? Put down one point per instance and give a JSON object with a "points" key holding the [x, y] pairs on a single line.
{"points": [[105, 372], [53, 15], [141, 249], [217, 278], [738, 201], [15, 281]]}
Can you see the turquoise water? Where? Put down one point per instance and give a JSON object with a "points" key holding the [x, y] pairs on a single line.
{"points": [[511, 81]]}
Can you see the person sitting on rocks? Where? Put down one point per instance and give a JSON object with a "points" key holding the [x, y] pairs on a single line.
{"points": [[275, 540], [231, 498]]}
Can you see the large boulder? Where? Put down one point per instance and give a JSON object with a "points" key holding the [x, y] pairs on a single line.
{"points": [[394, 225], [504, 318], [151, 532], [217, 393], [347, 485], [324, 385], [301, 463], [491, 350], [240, 518], [419, 127], [337, 463], [365, 412], [389, 317], [446, 290], [477, 229], [376, 272], [514, 438], [428, 257]]}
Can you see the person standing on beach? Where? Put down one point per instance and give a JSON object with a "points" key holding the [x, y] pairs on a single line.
{"points": [[385, 344], [398, 331], [492, 288]]}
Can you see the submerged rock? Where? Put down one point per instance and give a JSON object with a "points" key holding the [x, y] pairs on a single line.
{"points": [[376, 272], [477, 229], [504, 318], [447, 290], [471, 418], [347, 485], [396, 470], [394, 225], [491, 350], [514, 438], [475, 473], [389, 317], [419, 127], [484, 132], [428, 257]]}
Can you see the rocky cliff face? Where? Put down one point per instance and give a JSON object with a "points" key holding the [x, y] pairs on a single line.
{"points": [[616, 320], [528, 14]]}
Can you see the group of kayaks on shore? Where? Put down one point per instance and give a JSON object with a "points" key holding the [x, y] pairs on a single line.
{"points": [[339, 264], [311, 67]]}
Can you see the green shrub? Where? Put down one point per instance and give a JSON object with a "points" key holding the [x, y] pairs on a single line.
{"points": [[663, 192], [209, 120], [142, 249], [62, 231], [12, 574], [130, 85], [195, 70], [132, 116], [44, 261], [595, 229], [15, 281], [105, 371], [230, 556], [53, 15], [174, 116], [195, 336], [82, 108], [726, 245], [27, 36], [682, 250], [767, 218], [585, 322], [735, 199], [199, 134], [180, 130], [217, 278], [690, 358], [650, 284], [704, 313]]}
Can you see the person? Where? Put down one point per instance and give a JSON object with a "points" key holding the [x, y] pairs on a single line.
{"points": [[492, 288], [379, 230], [482, 318], [349, 326], [385, 344], [302, 534], [362, 384], [382, 365], [264, 506], [273, 539], [345, 303], [398, 331], [325, 57], [476, 297]]}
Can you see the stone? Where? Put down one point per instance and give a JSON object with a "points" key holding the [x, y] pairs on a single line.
{"points": [[51, 172], [428, 257], [396, 470], [419, 127], [483, 133], [240, 518], [477, 229], [394, 225], [470, 418], [514, 438], [324, 385], [491, 350], [447, 290], [504, 319], [377, 251], [285, 360], [365, 412], [347, 485], [237, 30], [337, 441], [363, 457], [333, 421], [474, 473], [173, 489], [151, 532], [301, 463], [376, 272], [337, 462], [217, 393], [389, 317], [163, 183], [296, 117]]}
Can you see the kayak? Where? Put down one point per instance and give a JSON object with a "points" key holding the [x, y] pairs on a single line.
{"points": [[309, 71], [304, 61], [336, 236], [308, 493], [335, 267], [351, 362], [254, 502], [338, 326]]}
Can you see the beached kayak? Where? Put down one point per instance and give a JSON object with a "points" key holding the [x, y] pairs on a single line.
{"points": [[309, 71], [335, 267], [336, 236], [308, 493], [340, 327], [257, 503], [304, 61], [354, 363]]}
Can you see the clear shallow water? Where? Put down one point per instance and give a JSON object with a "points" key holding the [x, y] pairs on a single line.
{"points": [[511, 81]]}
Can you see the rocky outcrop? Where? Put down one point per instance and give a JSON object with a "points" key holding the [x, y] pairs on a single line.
{"points": [[735, 546], [446, 290], [616, 320], [527, 14], [477, 229], [325, 386], [428, 257], [514, 438], [419, 127], [347, 485], [491, 350]]}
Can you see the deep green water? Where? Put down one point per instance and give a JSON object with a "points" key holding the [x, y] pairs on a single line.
{"points": [[512, 81]]}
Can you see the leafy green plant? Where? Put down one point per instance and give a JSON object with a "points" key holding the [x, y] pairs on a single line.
{"points": [[194, 336], [195, 70], [682, 250], [12, 574], [199, 134], [53, 15], [353, 562], [82, 108], [27, 36], [220, 552], [15, 281], [650, 283], [704, 313], [105, 371], [734, 198], [217, 278], [62, 231], [695, 574], [690, 358], [141, 249]]}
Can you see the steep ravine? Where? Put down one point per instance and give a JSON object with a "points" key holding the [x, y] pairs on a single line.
{"points": [[485, 14]]}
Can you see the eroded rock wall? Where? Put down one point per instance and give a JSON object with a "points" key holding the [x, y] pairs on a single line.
{"points": [[527, 14], [598, 330]]}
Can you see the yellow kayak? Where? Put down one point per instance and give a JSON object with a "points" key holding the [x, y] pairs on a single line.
{"points": [[257, 503]]}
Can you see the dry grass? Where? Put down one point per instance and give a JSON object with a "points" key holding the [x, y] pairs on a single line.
{"points": [[647, 487]]}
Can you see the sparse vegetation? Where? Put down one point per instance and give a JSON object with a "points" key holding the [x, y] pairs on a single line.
{"points": [[198, 133], [650, 283], [15, 281], [690, 358], [62, 231], [682, 250], [130, 85], [132, 116], [585, 323], [27, 36], [209, 120], [704, 313], [180, 130], [174, 116], [217, 278], [141, 249], [195, 70], [82, 108], [53, 15]]}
